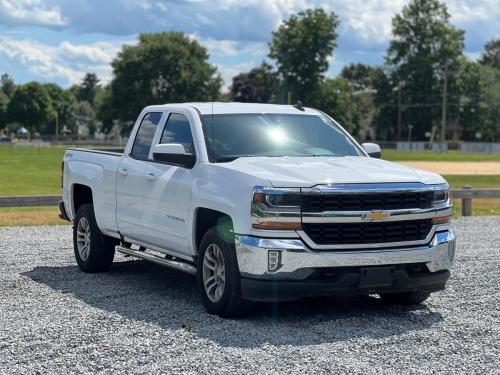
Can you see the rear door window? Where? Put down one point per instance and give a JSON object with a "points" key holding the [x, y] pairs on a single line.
{"points": [[145, 135]]}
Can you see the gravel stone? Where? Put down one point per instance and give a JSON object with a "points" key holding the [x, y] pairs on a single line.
{"points": [[142, 318]]}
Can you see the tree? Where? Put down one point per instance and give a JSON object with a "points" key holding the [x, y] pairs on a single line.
{"points": [[31, 106], [301, 47], [424, 57], [256, 86], [64, 104], [88, 88], [7, 84], [336, 98], [491, 102], [386, 104], [161, 68], [360, 76], [4, 101], [479, 101], [491, 55], [105, 111]]}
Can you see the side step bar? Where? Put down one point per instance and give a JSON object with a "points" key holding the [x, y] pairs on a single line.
{"points": [[175, 264]]}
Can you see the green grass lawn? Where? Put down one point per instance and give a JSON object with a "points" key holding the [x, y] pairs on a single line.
{"points": [[453, 155], [36, 171], [475, 181], [30, 170]]}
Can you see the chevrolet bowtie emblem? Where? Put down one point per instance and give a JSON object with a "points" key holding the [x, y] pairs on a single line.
{"points": [[376, 215]]}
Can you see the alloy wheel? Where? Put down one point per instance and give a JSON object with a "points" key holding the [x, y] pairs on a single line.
{"points": [[214, 278]]}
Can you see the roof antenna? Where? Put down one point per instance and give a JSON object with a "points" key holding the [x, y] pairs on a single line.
{"points": [[299, 106]]}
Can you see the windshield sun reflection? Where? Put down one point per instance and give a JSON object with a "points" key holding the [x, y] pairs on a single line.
{"points": [[277, 135]]}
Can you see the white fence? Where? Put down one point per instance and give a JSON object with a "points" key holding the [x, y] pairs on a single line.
{"points": [[422, 146], [478, 147]]}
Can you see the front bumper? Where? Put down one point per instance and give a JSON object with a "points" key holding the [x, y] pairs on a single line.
{"points": [[298, 266]]}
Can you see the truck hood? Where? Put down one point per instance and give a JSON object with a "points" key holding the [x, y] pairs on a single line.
{"points": [[311, 171]]}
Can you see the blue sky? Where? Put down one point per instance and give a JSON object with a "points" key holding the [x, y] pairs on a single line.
{"points": [[60, 40]]}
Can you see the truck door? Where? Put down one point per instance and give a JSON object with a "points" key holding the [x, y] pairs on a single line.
{"points": [[130, 179], [168, 190]]}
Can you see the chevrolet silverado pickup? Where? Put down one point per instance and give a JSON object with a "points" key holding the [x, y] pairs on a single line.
{"points": [[262, 203]]}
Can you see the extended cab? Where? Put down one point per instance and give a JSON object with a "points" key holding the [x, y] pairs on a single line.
{"points": [[263, 203]]}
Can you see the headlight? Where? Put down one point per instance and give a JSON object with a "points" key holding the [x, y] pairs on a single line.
{"points": [[277, 209], [441, 199], [441, 195]]}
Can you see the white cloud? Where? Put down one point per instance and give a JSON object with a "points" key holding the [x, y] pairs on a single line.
{"points": [[476, 10], [30, 12], [231, 48], [219, 47], [368, 21], [99, 52], [363, 21], [65, 62]]}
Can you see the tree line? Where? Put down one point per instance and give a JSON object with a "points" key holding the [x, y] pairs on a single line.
{"points": [[426, 89], [48, 108]]}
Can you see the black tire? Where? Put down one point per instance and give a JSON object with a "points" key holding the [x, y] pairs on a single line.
{"points": [[101, 249], [407, 299], [230, 304]]}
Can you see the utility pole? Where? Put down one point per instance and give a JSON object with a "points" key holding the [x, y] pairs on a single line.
{"points": [[410, 127], [399, 111], [57, 127], [445, 94]]}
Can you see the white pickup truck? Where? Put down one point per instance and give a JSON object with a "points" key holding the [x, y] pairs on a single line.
{"points": [[263, 203]]}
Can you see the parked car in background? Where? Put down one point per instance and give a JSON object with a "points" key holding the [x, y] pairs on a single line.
{"points": [[262, 203]]}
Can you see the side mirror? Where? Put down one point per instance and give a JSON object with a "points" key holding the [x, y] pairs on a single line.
{"points": [[372, 149], [173, 154]]}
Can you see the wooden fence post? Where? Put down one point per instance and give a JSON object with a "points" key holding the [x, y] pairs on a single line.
{"points": [[467, 203]]}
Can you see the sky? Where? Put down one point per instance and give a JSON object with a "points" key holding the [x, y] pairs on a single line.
{"points": [[61, 40]]}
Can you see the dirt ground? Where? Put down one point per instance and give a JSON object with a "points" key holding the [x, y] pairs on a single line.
{"points": [[457, 168]]}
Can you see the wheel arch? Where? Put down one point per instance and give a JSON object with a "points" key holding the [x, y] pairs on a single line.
{"points": [[206, 218], [81, 194]]}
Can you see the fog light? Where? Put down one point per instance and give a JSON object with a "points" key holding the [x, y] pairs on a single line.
{"points": [[274, 260], [451, 250]]}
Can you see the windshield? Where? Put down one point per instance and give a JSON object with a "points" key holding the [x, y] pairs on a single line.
{"points": [[231, 136]]}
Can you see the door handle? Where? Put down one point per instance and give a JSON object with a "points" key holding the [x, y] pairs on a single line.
{"points": [[122, 171], [151, 176]]}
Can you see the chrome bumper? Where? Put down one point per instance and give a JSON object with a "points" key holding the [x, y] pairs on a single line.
{"points": [[297, 261]]}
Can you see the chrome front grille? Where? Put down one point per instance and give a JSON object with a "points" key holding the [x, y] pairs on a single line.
{"points": [[360, 216]]}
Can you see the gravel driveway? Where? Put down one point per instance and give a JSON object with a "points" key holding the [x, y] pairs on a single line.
{"points": [[141, 318]]}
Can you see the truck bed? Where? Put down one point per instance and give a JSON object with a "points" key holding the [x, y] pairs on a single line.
{"points": [[95, 169]]}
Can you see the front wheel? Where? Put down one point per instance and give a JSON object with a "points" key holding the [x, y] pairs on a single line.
{"points": [[219, 277], [94, 251], [408, 299]]}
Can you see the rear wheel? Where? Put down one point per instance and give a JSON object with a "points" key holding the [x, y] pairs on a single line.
{"points": [[94, 251], [408, 299], [219, 277]]}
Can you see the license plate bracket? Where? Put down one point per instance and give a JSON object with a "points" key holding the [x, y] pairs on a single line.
{"points": [[376, 277]]}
